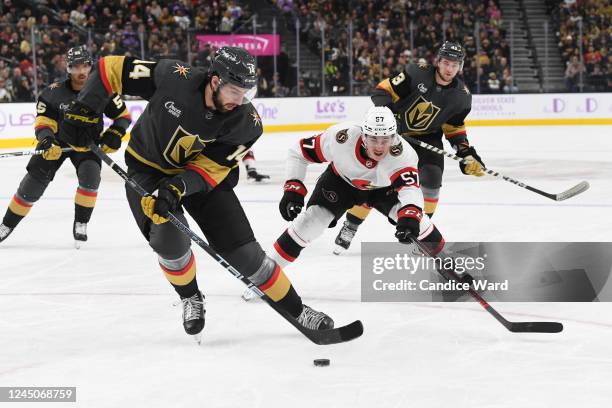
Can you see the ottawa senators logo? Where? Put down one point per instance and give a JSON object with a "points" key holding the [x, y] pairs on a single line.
{"points": [[397, 149], [182, 148], [342, 136], [421, 114]]}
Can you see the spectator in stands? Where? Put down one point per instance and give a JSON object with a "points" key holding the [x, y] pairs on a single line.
{"points": [[596, 80], [508, 82], [263, 89], [493, 84], [572, 74], [303, 91], [5, 95]]}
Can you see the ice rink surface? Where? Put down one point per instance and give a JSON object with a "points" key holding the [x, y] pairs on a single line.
{"points": [[101, 318]]}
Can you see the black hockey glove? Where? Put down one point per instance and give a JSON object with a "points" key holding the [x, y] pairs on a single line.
{"points": [[408, 223], [80, 125], [293, 199], [52, 150], [169, 196], [110, 141], [476, 165]]}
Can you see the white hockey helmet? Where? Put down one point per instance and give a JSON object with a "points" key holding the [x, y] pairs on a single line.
{"points": [[379, 121]]}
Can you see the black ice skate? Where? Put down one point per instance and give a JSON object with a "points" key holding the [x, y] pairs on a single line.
{"points": [[193, 315], [314, 320], [253, 175], [345, 236], [79, 231], [5, 232]]}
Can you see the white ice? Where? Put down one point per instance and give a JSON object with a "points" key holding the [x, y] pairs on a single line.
{"points": [[101, 318]]}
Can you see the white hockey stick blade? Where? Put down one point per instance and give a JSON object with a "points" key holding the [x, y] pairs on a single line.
{"points": [[574, 191]]}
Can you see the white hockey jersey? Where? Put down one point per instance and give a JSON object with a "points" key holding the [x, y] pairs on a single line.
{"points": [[341, 145]]}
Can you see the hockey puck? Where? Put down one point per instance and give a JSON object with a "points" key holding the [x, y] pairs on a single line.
{"points": [[321, 362]]}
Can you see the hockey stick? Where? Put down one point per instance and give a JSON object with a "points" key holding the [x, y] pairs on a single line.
{"points": [[30, 152], [515, 327], [569, 193], [321, 337]]}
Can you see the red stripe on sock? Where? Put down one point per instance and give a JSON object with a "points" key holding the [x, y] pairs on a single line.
{"points": [[272, 280], [283, 253], [21, 202], [179, 272], [87, 193]]}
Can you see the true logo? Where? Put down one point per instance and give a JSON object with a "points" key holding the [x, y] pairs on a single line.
{"points": [[173, 110]]}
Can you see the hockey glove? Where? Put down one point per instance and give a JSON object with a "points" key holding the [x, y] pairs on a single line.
{"points": [[80, 126], [408, 223], [52, 150], [169, 196], [111, 139], [293, 199], [475, 167]]}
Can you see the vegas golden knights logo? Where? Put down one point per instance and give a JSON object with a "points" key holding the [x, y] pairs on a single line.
{"points": [[421, 114], [183, 147]]}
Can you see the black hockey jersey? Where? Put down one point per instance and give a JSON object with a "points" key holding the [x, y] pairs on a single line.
{"points": [[176, 131], [423, 107], [54, 100]]}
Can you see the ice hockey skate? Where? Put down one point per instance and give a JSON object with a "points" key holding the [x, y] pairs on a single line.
{"points": [[194, 315], [345, 237], [79, 231]]}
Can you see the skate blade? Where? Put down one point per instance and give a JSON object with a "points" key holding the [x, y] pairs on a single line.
{"points": [[338, 250], [78, 244], [197, 338], [248, 295]]}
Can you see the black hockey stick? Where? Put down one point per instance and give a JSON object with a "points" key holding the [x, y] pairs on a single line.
{"points": [[564, 195], [515, 327], [30, 152], [321, 337]]}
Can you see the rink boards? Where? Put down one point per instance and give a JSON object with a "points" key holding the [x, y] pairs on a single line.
{"points": [[317, 113]]}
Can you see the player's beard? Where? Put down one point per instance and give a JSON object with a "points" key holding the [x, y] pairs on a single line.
{"points": [[216, 101]]}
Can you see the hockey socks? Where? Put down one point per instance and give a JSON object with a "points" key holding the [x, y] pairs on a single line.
{"points": [[279, 288], [287, 248], [358, 214], [17, 209], [181, 273], [84, 203]]}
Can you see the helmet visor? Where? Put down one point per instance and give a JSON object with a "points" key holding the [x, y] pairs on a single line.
{"points": [[235, 95]]}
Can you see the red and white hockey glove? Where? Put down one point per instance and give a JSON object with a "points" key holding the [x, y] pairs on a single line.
{"points": [[293, 199], [408, 223]]}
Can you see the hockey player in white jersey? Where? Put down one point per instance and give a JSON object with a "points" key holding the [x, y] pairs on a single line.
{"points": [[369, 164]]}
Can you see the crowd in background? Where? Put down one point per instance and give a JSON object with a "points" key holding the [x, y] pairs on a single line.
{"points": [[152, 29], [596, 62], [386, 35]]}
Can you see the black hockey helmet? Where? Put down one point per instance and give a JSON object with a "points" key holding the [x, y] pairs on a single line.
{"points": [[78, 55], [234, 65], [452, 51]]}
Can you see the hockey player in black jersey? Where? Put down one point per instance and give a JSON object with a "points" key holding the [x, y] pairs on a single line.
{"points": [[185, 150], [41, 169], [428, 102]]}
